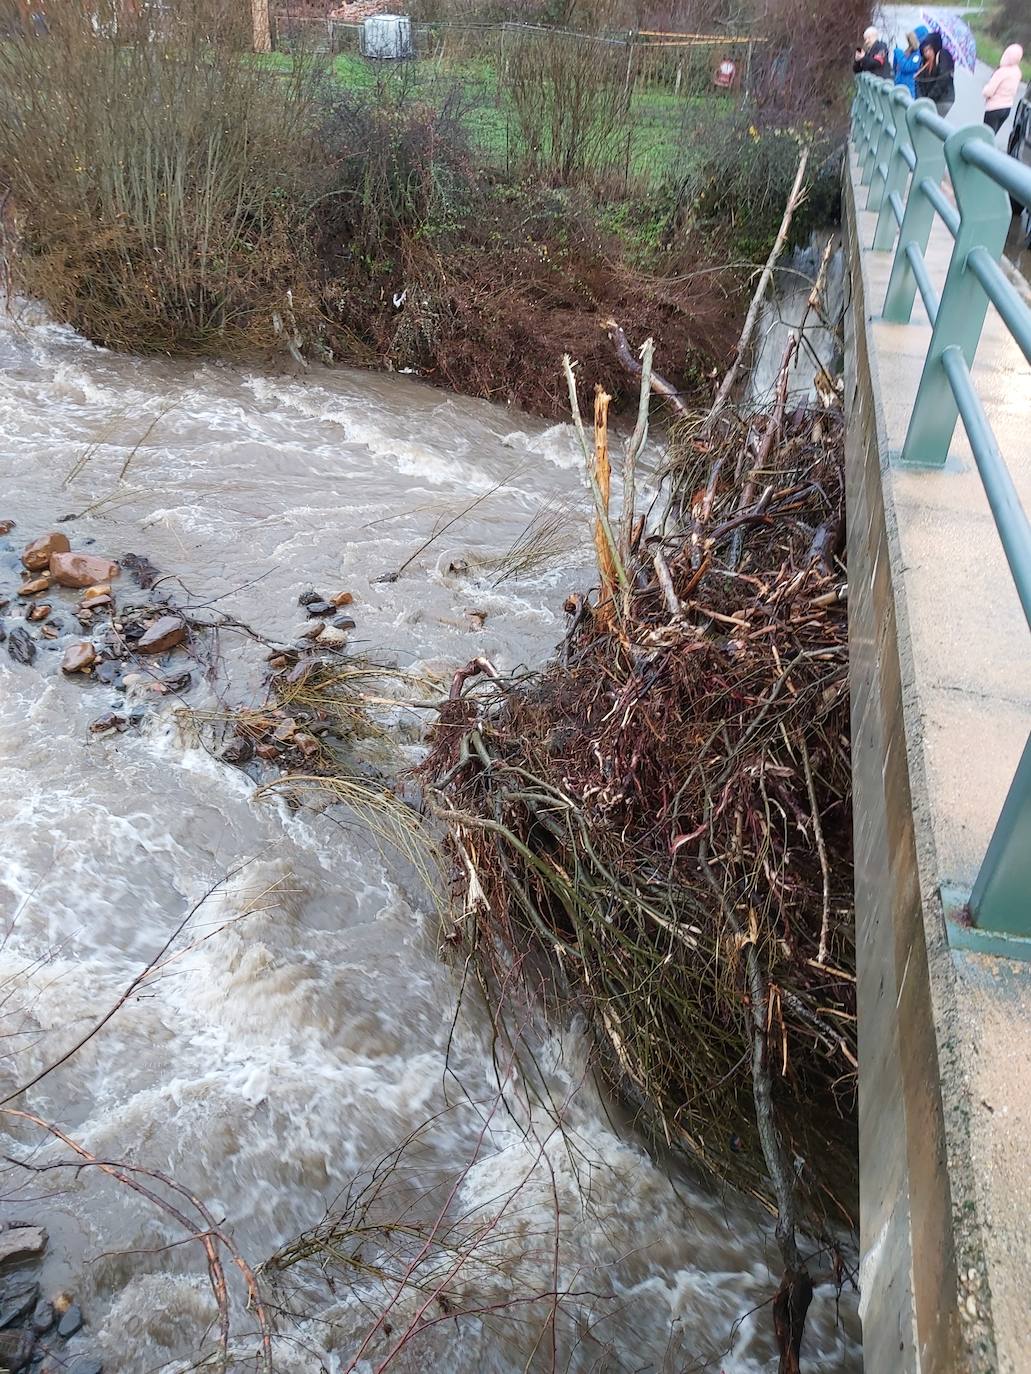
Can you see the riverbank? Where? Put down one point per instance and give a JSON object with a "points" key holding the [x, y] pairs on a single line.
{"points": [[239, 212]]}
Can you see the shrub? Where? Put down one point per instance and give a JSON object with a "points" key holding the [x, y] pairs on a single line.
{"points": [[571, 107], [160, 185], [400, 166], [738, 188]]}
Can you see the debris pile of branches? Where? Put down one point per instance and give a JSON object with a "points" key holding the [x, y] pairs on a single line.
{"points": [[661, 818]]}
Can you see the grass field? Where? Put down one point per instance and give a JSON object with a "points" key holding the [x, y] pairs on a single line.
{"points": [[990, 48], [657, 150]]}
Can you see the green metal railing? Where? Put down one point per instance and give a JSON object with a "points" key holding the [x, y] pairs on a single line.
{"points": [[905, 150]]}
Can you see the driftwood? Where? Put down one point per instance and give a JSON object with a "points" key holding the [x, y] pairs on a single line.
{"points": [[795, 199], [672, 797], [659, 385]]}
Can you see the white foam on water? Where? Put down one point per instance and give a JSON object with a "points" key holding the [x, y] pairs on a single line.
{"points": [[304, 1025]]}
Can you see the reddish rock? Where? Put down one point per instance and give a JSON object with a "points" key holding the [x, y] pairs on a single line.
{"points": [[164, 634], [40, 611], [78, 657], [342, 599], [81, 569], [34, 586], [93, 603], [307, 744], [266, 751], [6, 526], [37, 555]]}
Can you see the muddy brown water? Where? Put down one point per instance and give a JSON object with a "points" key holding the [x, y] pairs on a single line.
{"points": [[287, 1049]]}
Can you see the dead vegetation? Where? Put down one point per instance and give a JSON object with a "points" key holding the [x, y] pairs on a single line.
{"points": [[661, 818]]}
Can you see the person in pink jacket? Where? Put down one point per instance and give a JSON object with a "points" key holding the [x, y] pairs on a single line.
{"points": [[1001, 91]]}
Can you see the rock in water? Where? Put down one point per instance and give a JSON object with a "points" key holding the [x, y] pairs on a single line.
{"points": [[40, 611], [78, 657], [164, 634], [142, 569], [37, 555], [17, 1297], [22, 648], [16, 1350], [332, 634], [34, 586], [81, 569], [110, 720], [22, 1242], [238, 751], [6, 526], [109, 672], [70, 1322], [320, 608], [342, 598], [43, 1316]]}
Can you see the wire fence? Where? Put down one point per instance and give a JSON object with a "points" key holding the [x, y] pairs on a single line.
{"points": [[633, 97]]}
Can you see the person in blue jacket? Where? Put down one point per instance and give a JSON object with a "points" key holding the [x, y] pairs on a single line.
{"points": [[908, 62]]}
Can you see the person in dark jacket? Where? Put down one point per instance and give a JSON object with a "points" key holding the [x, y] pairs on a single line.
{"points": [[908, 61], [934, 80], [873, 56]]}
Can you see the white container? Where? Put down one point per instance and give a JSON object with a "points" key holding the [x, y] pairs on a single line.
{"points": [[387, 37]]}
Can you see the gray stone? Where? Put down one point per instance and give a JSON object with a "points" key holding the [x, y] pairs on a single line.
{"points": [[22, 648], [22, 1242], [17, 1297], [42, 1316], [70, 1321]]}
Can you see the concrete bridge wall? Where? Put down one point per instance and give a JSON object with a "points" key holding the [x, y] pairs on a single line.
{"points": [[944, 1035]]}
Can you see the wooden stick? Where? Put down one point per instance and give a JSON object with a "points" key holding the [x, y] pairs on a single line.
{"points": [[603, 476], [752, 318], [659, 384]]}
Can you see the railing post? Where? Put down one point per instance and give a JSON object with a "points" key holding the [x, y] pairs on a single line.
{"points": [[883, 146], [1001, 899], [984, 219], [863, 114], [877, 119], [919, 215], [898, 171]]}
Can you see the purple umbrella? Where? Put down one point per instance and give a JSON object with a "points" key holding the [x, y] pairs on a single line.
{"points": [[956, 36]]}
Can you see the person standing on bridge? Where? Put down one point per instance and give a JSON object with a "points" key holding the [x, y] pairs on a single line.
{"points": [[934, 80], [908, 62], [1001, 91], [873, 55]]}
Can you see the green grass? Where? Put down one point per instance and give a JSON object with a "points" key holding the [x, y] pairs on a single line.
{"points": [[990, 48], [658, 148]]}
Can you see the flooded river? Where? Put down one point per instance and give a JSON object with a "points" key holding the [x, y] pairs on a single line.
{"points": [[307, 1026]]}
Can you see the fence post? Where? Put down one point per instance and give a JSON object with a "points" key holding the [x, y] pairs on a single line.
{"points": [[984, 219], [1001, 898], [919, 215], [883, 147], [879, 117], [898, 171]]}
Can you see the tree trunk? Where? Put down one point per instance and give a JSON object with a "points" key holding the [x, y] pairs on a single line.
{"points": [[262, 24]]}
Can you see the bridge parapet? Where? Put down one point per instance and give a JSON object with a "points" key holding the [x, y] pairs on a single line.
{"points": [[940, 602]]}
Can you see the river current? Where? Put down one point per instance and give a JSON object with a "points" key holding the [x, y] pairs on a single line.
{"points": [[307, 1025]]}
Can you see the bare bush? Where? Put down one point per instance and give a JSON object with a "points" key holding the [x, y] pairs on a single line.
{"points": [[170, 217], [572, 103]]}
